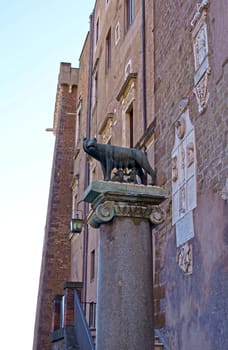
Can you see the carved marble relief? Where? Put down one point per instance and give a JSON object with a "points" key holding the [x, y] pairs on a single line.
{"points": [[184, 258], [200, 46], [183, 162], [201, 91], [224, 192], [200, 50]]}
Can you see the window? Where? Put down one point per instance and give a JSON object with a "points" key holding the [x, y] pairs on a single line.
{"points": [[62, 311], [129, 12], [78, 127], [78, 124], [74, 201], [130, 125], [92, 315], [92, 265], [95, 86], [108, 51], [97, 30], [128, 68]]}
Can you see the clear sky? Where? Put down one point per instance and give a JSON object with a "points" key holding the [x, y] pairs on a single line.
{"points": [[35, 36]]}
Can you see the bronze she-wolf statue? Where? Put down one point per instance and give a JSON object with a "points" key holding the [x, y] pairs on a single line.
{"points": [[112, 157]]}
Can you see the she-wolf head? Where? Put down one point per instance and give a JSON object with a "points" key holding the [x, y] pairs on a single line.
{"points": [[89, 143]]}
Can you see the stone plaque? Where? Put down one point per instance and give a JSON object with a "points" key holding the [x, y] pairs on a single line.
{"points": [[184, 229], [183, 178]]}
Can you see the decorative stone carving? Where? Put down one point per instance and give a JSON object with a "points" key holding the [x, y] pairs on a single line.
{"points": [[180, 126], [190, 154], [200, 46], [201, 91], [200, 50], [128, 68], [106, 211], [157, 216], [183, 177], [184, 258], [132, 210], [174, 169], [199, 8], [109, 199], [224, 193]]}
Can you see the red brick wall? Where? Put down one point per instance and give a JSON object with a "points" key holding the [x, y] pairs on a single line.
{"points": [[55, 269], [194, 305]]}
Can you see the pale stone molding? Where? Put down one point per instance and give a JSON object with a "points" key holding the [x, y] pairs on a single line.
{"points": [[127, 97], [199, 8], [117, 33], [105, 130], [127, 91], [128, 68], [75, 183]]}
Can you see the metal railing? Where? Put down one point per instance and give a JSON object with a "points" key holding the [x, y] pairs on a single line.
{"points": [[82, 330], [158, 333]]}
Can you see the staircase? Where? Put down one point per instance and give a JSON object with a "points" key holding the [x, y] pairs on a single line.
{"points": [[85, 341]]}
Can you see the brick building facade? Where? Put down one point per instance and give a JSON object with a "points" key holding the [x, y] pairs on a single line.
{"points": [[55, 268], [153, 76]]}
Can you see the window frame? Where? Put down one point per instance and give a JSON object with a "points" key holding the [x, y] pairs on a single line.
{"points": [[108, 51], [130, 13], [92, 264]]}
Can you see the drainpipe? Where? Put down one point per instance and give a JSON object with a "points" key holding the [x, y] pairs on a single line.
{"points": [[144, 98], [87, 168]]}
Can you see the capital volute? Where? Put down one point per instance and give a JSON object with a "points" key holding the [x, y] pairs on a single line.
{"points": [[109, 200]]}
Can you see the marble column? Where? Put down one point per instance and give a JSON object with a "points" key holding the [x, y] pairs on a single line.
{"points": [[124, 213]]}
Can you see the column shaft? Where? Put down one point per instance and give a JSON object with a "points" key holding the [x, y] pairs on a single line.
{"points": [[125, 288]]}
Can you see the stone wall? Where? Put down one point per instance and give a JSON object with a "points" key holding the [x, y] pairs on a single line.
{"points": [[195, 306]]}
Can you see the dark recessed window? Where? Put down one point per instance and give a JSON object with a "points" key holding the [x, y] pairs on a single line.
{"points": [[92, 265], [108, 51], [130, 125], [97, 30], [130, 12]]}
